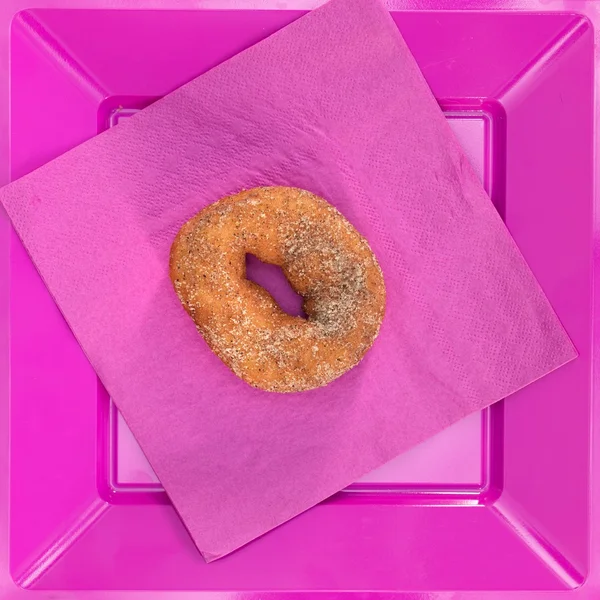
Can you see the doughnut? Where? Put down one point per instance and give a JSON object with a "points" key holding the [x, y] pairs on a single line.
{"points": [[325, 260]]}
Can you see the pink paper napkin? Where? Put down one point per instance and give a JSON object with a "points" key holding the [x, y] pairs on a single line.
{"points": [[335, 104]]}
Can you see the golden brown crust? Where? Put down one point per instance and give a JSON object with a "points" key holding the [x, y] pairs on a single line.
{"points": [[325, 260]]}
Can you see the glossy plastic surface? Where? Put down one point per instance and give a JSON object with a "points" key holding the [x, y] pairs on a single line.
{"points": [[499, 501]]}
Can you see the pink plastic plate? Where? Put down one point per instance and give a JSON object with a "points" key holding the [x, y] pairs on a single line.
{"points": [[500, 501]]}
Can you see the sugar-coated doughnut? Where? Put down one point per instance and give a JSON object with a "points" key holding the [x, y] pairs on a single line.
{"points": [[325, 260]]}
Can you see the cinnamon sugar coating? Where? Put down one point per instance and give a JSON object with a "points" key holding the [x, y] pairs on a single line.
{"points": [[323, 257]]}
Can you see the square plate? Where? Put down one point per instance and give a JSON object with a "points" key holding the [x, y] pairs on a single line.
{"points": [[498, 501]]}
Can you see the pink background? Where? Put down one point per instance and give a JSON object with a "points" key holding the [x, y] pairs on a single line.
{"points": [[58, 578]]}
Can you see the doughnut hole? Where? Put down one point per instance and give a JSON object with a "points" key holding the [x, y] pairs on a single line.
{"points": [[274, 281]]}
